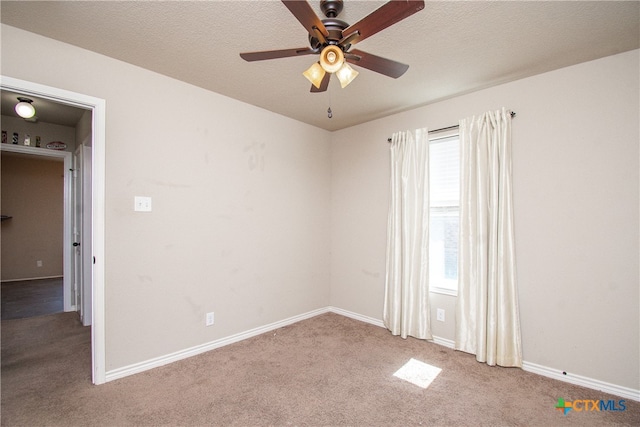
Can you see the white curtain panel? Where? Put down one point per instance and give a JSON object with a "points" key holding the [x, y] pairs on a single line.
{"points": [[406, 301], [487, 316]]}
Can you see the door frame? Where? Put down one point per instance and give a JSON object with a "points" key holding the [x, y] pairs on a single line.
{"points": [[98, 129]]}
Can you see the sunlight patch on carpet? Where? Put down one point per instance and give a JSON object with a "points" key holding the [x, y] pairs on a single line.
{"points": [[418, 373]]}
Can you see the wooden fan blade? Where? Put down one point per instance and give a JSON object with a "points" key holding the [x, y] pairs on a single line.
{"points": [[275, 54], [383, 17], [324, 84], [375, 63], [307, 17]]}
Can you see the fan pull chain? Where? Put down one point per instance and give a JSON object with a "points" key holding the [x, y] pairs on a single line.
{"points": [[329, 112]]}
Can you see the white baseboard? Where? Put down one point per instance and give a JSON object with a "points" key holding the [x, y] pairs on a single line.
{"points": [[444, 342], [193, 351], [356, 316], [377, 322], [591, 383], [136, 368]]}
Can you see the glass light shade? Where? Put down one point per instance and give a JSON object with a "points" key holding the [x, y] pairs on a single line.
{"points": [[315, 74], [346, 74], [331, 58], [25, 110]]}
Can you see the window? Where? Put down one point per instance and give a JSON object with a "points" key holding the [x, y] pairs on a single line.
{"points": [[444, 195]]}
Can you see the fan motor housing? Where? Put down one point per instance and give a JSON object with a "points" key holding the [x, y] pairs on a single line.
{"points": [[331, 9], [334, 28]]}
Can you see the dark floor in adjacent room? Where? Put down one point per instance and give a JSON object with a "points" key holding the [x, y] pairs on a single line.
{"points": [[29, 298]]}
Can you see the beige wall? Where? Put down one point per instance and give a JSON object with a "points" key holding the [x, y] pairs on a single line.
{"points": [[83, 130], [576, 195], [32, 193], [258, 217], [240, 224]]}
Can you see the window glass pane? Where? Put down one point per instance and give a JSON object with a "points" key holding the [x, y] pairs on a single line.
{"points": [[444, 165], [443, 248], [444, 196]]}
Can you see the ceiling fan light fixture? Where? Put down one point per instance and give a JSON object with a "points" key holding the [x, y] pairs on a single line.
{"points": [[331, 58], [332, 38], [24, 108], [315, 74], [346, 74]]}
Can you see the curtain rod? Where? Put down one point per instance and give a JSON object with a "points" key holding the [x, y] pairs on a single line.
{"points": [[513, 114]]}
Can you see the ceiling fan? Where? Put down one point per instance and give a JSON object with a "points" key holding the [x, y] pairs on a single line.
{"points": [[333, 38]]}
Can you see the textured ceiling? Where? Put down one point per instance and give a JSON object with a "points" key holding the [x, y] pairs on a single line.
{"points": [[452, 47]]}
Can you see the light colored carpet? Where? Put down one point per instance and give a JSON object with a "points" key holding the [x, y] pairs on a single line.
{"points": [[326, 371]]}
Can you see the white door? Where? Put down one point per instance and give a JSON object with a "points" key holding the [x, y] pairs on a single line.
{"points": [[76, 239], [83, 259], [87, 256]]}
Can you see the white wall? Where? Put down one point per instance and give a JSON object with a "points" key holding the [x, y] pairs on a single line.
{"points": [[240, 224], [576, 195]]}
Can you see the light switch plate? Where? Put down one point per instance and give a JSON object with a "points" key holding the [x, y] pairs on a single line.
{"points": [[209, 319], [142, 204]]}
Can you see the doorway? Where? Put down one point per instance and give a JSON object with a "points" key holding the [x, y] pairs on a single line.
{"points": [[45, 220], [97, 108], [33, 226]]}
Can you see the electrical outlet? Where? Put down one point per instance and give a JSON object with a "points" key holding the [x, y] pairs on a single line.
{"points": [[440, 314], [39, 263], [209, 319], [142, 204]]}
